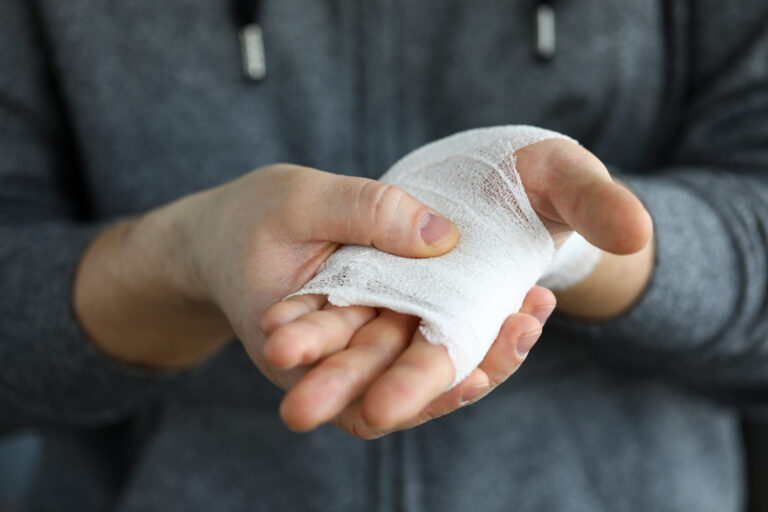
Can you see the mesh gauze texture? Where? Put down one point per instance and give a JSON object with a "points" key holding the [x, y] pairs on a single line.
{"points": [[573, 262], [464, 296]]}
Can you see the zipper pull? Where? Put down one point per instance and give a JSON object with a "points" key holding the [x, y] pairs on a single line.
{"points": [[545, 30], [252, 49]]}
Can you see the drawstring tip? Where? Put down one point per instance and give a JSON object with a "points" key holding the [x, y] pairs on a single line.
{"points": [[252, 47], [545, 31]]}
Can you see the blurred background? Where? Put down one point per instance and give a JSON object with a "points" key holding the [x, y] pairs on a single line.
{"points": [[18, 455]]}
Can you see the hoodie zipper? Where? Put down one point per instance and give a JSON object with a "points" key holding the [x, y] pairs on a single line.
{"points": [[247, 14]]}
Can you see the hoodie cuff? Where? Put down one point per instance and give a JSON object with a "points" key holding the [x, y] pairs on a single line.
{"points": [[50, 367], [695, 284]]}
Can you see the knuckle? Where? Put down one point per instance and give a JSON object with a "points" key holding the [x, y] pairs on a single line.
{"points": [[411, 367], [297, 193], [361, 431], [431, 412], [495, 380], [379, 201], [351, 422], [340, 375], [354, 316], [439, 370], [499, 378], [322, 322], [386, 340], [301, 186], [382, 352]]}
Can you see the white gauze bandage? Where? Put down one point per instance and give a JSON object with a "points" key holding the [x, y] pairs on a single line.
{"points": [[572, 263], [464, 296]]}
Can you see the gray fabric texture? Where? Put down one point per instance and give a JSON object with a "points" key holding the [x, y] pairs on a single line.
{"points": [[110, 108]]}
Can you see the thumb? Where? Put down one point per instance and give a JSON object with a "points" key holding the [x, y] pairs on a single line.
{"points": [[576, 189], [605, 213], [360, 211]]}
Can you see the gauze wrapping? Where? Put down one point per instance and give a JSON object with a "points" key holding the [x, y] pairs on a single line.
{"points": [[572, 263], [464, 296]]}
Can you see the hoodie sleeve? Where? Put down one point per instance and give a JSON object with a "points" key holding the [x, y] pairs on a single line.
{"points": [[704, 318], [49, 371]]}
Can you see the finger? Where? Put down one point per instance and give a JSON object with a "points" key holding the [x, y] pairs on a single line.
{"points": [[343, 377], [471, 389], [515, 339], [290, 309], [360, 211], [539, 303], [502, 360], [505, 356], [606, 214], [417, 377], [315, 335], [351, 420], [579, 191], [517, 336]]}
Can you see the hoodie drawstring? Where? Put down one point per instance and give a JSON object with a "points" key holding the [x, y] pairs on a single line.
{"points": [[247, 15], [545, 29]]}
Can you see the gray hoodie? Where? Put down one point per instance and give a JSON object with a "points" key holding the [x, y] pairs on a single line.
{"points": [[108, 109]]}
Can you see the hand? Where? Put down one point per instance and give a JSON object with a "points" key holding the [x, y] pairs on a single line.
{"points": [[397, 377], [264, 235], [571, 189], [167, 289]]}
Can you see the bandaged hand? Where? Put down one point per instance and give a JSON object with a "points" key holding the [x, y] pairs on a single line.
{"points": [[560, 188]]}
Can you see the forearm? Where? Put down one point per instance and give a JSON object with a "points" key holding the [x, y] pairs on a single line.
{"points": [[138, 297]]}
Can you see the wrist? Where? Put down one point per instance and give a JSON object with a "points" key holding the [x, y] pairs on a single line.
{"points": [[139, 299], [615, 285], [170, 237]]}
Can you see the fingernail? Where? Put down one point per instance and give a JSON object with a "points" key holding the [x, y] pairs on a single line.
{"points": [[434, 229], [526, 343], [472, 394], [542, 313]]}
